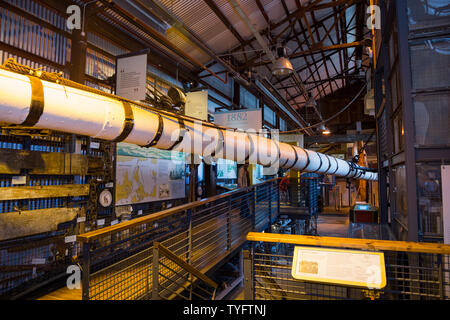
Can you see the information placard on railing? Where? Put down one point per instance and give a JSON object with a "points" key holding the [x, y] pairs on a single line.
{"points": [[346, 267]]}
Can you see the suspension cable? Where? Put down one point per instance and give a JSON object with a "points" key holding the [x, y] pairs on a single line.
{"points": [[330, 118]]}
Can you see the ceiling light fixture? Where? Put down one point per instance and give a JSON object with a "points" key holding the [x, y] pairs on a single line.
{"points": [[282, 66], [323, 129], [311, 102], [326, 132]]}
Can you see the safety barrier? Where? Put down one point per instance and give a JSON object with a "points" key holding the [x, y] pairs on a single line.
{"points": [[413, 270], [178, 279], [117, 261], [300, 202]]}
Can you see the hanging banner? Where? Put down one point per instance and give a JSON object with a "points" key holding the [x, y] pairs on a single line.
{"points": [[445, 174], [240, 119], [197, 105], [131, 76]]}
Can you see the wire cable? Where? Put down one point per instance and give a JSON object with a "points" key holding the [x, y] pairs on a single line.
{"points": [[330, 118]]}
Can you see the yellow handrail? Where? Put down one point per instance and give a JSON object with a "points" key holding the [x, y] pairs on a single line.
{"points": [[96, 234], [364, 244]]}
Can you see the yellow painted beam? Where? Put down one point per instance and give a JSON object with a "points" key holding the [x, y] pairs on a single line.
{"points": [[364, 244], [25, 223], [36, 192]]}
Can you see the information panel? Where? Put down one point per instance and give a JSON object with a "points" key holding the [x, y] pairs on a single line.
{"points": [[131, 76], [336, 266], [148, 174], [226, 169], [197, 105], [240, 119]]}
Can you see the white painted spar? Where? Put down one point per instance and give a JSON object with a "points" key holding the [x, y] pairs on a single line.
{"points": [[77, 111], [15, 98]]}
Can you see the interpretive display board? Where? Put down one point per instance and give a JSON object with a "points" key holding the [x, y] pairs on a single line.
{"points": [[240, 119], [226, 169], [148, 174], [336, 266], [445, 174], [294, 139], [131, 76], [197, 105]]}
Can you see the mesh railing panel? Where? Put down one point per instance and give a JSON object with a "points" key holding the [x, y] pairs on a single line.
{"points": [[410, 276], [121, 262]]}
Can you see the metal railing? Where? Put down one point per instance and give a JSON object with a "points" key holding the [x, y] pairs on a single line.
{"points": [[117, 261], [177, 279], [413, 270], [301, 200]]}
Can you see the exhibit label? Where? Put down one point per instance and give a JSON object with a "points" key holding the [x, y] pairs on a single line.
{"points": [[336, 266], [131, 76], [197, 105], [240, 119]]}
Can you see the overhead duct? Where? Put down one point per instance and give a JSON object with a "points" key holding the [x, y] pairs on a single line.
{"points": [[30, 101]]}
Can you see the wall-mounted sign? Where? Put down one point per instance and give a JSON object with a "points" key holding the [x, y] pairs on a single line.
{"points": [[148, 174], [338, 156], [295, 139], [197, 105], [131, 76], [240, 119], [336, 266], [18, 180], [445, 175], [226, 169]]}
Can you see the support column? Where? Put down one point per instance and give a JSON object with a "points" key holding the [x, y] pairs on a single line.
{"points": [[193, 180], [78, 57], [243, 176], [210, 180], [408, 120], [248, 276]]}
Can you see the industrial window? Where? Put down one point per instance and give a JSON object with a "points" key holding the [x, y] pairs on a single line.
{"points": [[427, 13], [429, 63], [432, 119], [395, 89], [399, 131], [283, 125], [247, 99], [429, 197], [400, 196], [269, 115], [105, 44], [382, 129], [98, 65], [393, 46], [153, 84]]}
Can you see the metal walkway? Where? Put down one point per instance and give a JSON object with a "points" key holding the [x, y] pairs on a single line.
{"points": [[119, 261]]}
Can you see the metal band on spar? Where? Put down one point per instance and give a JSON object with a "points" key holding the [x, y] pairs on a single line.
{"points": [[47, 105]]}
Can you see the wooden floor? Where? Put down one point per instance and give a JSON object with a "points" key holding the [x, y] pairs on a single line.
{"points": [[136, 279], [63, 294]]}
